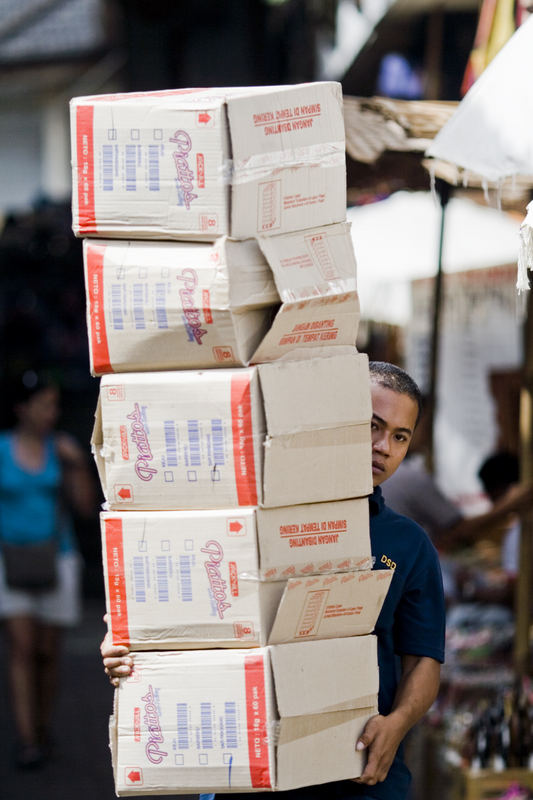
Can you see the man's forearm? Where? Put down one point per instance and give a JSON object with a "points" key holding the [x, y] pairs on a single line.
{"points": [[416, 691]]}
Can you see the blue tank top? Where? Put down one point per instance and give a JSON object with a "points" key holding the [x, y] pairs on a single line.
{"points": [[30, 508]]}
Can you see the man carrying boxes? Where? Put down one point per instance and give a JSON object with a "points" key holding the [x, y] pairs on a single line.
{"points": [[237, 513], [411, 622]]}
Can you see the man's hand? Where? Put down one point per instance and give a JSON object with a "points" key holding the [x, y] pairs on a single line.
{"points": [[382, 735], [381, 738], [117, 662]]}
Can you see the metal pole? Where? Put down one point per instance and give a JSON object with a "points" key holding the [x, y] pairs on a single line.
{"points": [[444, 191]]}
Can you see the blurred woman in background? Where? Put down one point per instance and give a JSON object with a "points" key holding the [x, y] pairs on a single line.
{"points": [[43, 474]]}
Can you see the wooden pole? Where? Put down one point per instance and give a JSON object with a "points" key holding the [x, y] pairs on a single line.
{"points": [[523, 583]]}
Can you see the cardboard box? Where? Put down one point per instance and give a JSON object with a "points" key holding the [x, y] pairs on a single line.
{"points": [[178, 305], [176, 580], [237, 720], [175, 305], [278, 434], [202, 163]]}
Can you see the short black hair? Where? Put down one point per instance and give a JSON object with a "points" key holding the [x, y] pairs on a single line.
{"points": [[393, 377], [499, 471]]}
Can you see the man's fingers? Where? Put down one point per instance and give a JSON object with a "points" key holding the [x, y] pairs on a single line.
{"points": [[120, 667], [369, 734]]}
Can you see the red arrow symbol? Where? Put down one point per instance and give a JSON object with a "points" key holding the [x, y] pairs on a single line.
{"points": [[235, 527], [124, 494], [204, 117], [134, 776]]}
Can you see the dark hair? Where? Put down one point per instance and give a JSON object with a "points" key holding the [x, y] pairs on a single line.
{"points": [[498, 472], [392, 377], [27, 384]]}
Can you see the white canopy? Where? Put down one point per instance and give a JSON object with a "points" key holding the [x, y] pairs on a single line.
{"points": [[396, 240], [490, 132]]}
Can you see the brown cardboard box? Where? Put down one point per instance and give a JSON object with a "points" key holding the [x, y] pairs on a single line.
{"points": [[178, 580], [181, 305], [274, 718], [203, 163], [278, 434]]}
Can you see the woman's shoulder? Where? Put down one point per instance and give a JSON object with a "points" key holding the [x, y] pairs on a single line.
{"points": [[68, 448]]}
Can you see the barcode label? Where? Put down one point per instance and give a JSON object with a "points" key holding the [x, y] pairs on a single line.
{"points": [[230, 717], [131, 168], [182, 710], [217, 438], [171, 443], [138, 306], [193, 429], [139, 585], [107, 167], [162, 579], [206, 726], [160, 306], [185, 579], [153, 168], [117, 318]]}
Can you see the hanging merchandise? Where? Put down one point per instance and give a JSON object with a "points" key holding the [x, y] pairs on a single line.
{"points": [[477, 61]]}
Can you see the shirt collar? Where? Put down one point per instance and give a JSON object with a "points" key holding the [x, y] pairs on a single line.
{"points": [[376, 501]]}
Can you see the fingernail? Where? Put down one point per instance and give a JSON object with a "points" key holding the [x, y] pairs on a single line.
{"points": [[360, 745]]}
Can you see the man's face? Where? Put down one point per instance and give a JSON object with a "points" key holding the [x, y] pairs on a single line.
{"points": [[393, 422]]}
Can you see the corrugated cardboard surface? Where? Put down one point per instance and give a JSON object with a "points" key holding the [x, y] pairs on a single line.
{"points": [[206, 721], [179, 305], [313, 538], [175, 305], [208, 162], [191, 580], [329, 606], [198, 439], [312, 262]]}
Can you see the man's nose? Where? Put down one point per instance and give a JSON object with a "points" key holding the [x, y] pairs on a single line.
{"points": [[381, 443]]}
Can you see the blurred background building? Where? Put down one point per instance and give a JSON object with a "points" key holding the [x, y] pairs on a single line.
{"points": [[52, 50]]}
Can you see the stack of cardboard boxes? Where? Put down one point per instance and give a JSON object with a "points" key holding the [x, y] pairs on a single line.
{"points": [[236, 543]]}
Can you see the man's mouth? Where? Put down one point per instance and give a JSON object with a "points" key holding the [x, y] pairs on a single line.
{"points": [[377, 467]]}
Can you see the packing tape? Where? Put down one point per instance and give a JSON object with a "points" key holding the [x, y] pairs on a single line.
{"points": [[265, 165]]}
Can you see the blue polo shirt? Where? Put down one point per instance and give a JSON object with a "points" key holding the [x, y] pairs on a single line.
{"points": [[411, 622]]}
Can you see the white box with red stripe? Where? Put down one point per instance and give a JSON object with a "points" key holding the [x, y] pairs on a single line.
{"points": [[241, 720], [193, 579], [201, 163], [181, 305], [278, 434]]}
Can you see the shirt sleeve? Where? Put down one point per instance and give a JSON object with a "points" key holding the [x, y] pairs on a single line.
{"points": [[419, 626]]}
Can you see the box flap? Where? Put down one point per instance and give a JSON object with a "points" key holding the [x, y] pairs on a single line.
{"points": [[315, 466], [307, 681], [97, 441], [329, 606], [316, 394], [311, 328], [319, 749], [313, 538], [300, 124], [312, 262]]}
